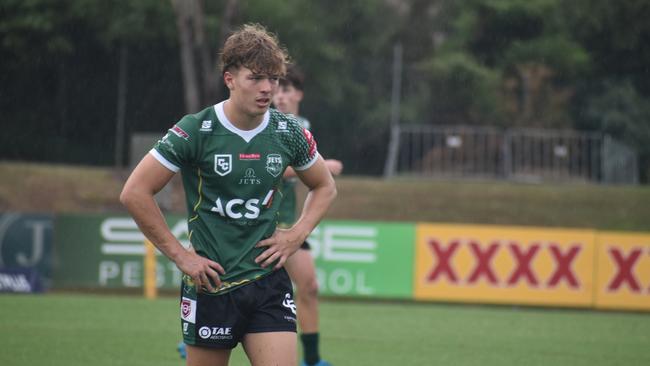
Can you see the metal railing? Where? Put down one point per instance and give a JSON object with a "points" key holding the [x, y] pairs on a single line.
{"points": [[532, 155]]}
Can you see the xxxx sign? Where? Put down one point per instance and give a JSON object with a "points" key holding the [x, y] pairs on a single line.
{"points": [[504, 265], [623, 264]]}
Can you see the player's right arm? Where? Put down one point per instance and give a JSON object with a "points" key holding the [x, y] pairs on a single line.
{"points": [[147, 179]]}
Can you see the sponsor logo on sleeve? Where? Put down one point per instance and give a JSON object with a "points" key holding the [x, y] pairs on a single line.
{"points": [[179, 132]]}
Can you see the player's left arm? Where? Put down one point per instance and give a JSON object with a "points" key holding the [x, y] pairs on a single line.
{"points": [[322, 191]]}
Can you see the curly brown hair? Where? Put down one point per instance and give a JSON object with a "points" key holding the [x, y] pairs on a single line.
{"points": [[253, 47]]}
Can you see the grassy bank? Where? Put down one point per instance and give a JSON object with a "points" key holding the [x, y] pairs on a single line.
{"points": [[58, 188]]}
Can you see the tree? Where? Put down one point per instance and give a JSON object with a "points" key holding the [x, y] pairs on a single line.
{"points": [[614, 97], [616, 34], [617, 109], [535, 54], [201, 81]]}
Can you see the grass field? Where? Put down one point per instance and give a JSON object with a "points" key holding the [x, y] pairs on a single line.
{"points": [[76, 329]]}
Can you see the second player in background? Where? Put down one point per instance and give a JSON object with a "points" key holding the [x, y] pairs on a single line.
{"points": [[300, 265]]}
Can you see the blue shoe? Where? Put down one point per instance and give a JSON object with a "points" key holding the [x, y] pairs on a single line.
{"points": [[181, 350], [320, 363]]}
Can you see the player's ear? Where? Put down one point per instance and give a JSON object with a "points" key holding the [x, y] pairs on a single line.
{"points": [[299, 95], [228, 80]]}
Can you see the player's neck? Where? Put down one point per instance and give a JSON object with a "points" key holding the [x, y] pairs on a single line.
{"points": [[239, 118]]}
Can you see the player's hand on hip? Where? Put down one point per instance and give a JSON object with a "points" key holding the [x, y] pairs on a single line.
{"points": [[201, 269], [281, 245]]}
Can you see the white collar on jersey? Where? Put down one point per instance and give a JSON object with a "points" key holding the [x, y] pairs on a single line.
{"points": [[246, 135]]}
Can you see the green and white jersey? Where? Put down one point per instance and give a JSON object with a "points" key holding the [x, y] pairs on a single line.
{"points": [[233, 180], [288, 204]]}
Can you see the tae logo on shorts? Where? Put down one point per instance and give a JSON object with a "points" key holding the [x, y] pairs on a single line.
{"points": [[188, 310], [215, 332]]}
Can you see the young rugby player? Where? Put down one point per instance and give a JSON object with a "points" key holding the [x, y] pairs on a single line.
{"points": [[301, 264], [231, 157]]}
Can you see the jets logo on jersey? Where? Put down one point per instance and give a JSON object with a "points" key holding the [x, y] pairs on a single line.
{"points": [[222, 164], [274, 164], [250, 178]]}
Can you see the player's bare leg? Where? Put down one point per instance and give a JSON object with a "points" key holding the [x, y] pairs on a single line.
{"points": [[302, 271], [271, 348], [198, 356]]}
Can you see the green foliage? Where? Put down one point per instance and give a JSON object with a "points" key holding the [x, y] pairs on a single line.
{"points": [[59, 75], [498, 62], [616, 35], [530, 49], [458, 91], [621, 112], [30, 28], [129, 21], [344, 48], [564, 56], [617, 108]]}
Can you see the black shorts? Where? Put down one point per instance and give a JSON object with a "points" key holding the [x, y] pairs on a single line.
{"points": [[221, 321], [305, 245]]}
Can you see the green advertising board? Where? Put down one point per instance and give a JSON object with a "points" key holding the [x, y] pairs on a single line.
{"points": [[370, 259], [106, 251]]}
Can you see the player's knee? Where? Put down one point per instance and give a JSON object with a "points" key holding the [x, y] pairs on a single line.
{"points": [[310, 289], [307, 290]]}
